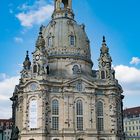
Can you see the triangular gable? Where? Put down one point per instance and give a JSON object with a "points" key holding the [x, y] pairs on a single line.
{"points": [[86, 82]]}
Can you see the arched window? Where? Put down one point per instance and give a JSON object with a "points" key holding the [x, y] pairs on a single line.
{"points": [[55, 107], [33, 114], [72, 40], [102, 75], [55, 114], [79, 114], [35, 68], [100, 119]]}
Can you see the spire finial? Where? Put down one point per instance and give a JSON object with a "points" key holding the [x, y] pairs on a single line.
{"points": [[104, 48], [104, 42], [41, 29], [104, 39], [27, 63], [27, 55]]}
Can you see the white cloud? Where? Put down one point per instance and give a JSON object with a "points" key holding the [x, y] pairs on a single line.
{"points": [[135, 60], [37, 13], [127, 74], [18, 39], [129, 78], [6, 112], [7, 85], [3, 76]]}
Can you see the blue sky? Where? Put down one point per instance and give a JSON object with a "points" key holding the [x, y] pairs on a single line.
{"points": [[118, 20]]}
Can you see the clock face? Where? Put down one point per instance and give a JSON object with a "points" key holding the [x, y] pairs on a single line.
{"points": [[37, 57]]}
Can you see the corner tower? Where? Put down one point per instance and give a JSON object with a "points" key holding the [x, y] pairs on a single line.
{"points": [[59, 96]]}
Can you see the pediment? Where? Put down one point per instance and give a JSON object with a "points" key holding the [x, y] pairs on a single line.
{"points": [[87, 83]]}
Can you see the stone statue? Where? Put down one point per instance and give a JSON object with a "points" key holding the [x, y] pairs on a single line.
{"points": [[15, 132]]}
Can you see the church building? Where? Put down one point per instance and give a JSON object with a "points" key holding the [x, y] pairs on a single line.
{"points": [[59, 95]]}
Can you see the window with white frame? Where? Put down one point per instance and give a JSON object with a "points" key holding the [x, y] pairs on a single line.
{"points": [[79, 115], [33, 114], [100, 118], [55, 114]]}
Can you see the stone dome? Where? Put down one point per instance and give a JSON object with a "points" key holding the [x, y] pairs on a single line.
{"points": [[67, 46], [65, 38]]}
